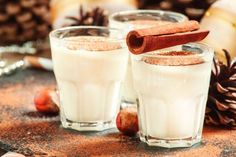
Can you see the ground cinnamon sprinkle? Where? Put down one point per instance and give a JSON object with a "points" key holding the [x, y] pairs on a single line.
{"points": [[179, 60], [25, 131], [92, 43], [141, 23], [176, 53]]}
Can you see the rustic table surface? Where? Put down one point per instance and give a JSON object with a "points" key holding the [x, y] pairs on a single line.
{"points": [[25, 131]]}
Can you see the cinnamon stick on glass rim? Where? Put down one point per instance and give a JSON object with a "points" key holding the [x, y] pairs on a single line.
{"points": [[154, 38]]}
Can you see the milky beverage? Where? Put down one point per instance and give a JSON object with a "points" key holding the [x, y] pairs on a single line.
{"points": [[129, 93], [89, 71], [172, 95]]}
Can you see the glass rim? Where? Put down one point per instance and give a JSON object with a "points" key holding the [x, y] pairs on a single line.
{"points": [[111, 17], [206, 52], [52, 34]]}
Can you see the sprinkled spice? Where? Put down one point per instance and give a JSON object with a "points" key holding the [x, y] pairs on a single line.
{"points": [[25, 131]]}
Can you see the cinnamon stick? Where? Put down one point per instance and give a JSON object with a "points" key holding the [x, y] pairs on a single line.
{"points": [[154, 38]]}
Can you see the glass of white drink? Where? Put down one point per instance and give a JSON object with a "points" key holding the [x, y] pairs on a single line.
{"points": [[137, 19], [89, 65], [172, 88]]}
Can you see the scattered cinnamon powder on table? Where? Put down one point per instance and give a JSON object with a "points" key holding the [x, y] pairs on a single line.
{"points": [[36, 135]]}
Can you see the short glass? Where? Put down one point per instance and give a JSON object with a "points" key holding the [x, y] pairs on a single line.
{"points": [[89, 65], [172, 92], [136, 19]]}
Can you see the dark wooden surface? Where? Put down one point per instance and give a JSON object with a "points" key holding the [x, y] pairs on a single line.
{"points": [[24, 130]]}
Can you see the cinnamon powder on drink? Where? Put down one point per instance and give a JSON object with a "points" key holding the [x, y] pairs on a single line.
{"points": [[179, 58]]}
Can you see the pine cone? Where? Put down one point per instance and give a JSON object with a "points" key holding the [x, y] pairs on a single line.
{"points": [[194, 9], [221, 104], [94, 17], [23, 20]]}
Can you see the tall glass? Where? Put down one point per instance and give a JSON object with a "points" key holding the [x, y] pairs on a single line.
{"points": [[89, 65], [129, 20], [172, 89]]}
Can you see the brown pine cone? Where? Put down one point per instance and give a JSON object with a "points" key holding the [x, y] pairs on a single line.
{"points": [[94, 17], [221, 104], [27, 17]]}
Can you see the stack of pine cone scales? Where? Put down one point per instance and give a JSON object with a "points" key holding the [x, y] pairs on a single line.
{"points": [[92, 17], [24, 20], [221, 105]]}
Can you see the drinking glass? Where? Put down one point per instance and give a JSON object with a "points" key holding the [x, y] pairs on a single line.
{"points": [[136, 19], [89, 65], [172, 91], [2, 62]]}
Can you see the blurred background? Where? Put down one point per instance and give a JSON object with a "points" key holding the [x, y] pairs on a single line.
{"points": [[25, 24], [27, 20], [194, 9]]}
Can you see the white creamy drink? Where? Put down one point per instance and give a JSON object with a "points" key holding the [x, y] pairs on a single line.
{"points": [[172, 97], [89, 71], [130, 20], [129, 94]]}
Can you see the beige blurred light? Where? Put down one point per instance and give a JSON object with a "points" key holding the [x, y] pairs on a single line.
{"points": [[220, 19], [62, 8]]}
